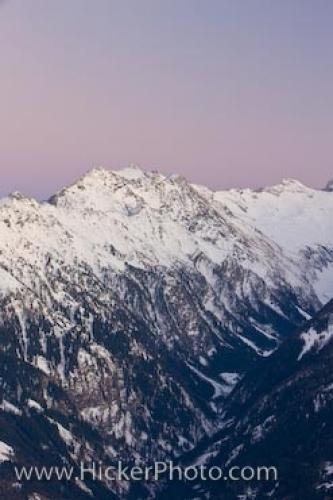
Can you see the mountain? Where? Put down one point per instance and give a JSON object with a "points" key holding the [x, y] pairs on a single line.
{"points": [[281, 415], [132, 303], [295, 217]]}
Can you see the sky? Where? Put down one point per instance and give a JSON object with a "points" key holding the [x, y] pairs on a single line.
{"points": [[227, 93]]}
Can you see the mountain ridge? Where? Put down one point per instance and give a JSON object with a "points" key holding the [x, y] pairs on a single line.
{"points": [[145, 299]]}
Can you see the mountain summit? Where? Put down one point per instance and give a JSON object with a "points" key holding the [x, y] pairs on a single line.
{"points": [[132, 303]]}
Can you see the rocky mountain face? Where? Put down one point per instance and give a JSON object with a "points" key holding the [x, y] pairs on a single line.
{"points": [[281, 415], [132, 303]]}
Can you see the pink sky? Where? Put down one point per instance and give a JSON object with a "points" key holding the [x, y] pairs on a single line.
{"points": [[225, 93]]}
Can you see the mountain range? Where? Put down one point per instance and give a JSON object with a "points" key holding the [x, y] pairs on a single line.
{"points": [[139, 313]]}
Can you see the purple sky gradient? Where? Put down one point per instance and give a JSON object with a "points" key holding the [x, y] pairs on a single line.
{"points": [[227, 93]]}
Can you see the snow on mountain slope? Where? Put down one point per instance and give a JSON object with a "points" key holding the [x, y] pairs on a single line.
{"points": [[292, 214], [109, 221], [115, 224], [136, 294], [281, 415], [160, 218], [163, 219], [297, 218]]}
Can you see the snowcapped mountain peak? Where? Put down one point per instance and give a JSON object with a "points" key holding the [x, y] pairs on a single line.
{"points": [[103, 184], [100, 173], [132, 302], [289, 181], [109, 190], [16, 195], [132, 172], [150, 217], [18, 201], [92, 183], [288, 185], [129, 174], [96, 177], [96, 173]]}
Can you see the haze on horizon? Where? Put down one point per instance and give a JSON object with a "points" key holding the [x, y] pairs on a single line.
{"points": [[226, 93]]}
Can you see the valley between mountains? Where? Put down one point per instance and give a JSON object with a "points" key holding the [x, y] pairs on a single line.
{"points": [[145, 318]]}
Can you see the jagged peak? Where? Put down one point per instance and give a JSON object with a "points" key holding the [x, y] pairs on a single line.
{"points": [[98, 173], [104, 175], [287, 185], [95, 177], [101, 178], [109, 180], [132, 172], [289, 181], [16, 196]]}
